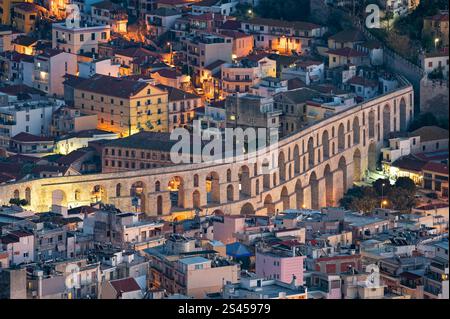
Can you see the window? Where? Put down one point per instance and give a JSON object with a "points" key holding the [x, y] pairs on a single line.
{"points": [[103, 35], [92, 36], [81, 37]]}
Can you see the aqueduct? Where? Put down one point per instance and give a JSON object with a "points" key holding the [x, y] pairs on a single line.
{"points": [[315, 167]]}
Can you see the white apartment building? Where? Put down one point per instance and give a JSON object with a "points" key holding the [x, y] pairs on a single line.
{"points": [[104, 66], [79, 39], [307, 71], [31, 117], [49, 69], [435, 61]]}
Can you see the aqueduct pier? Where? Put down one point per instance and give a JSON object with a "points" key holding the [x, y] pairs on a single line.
{"points": [[315, 168]]}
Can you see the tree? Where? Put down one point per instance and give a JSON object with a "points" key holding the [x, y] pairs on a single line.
{"points": [[402, 199], [289, 10], [362, 199], [18, 202], [382, 186], [424, 119], [406, 183]]}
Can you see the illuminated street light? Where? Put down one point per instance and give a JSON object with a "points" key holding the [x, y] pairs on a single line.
{"points": [[436, 41]]}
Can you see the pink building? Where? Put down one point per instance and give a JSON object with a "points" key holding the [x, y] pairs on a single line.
{"points": [[224, 231], [19, 245], [279, 264]]}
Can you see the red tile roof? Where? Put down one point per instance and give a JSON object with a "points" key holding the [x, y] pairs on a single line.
{"points": [[125, 285], [436, 168], [27, 137], [347, 52]]}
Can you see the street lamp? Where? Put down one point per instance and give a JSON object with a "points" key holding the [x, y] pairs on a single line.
{"points": [[436, 41], [171, 58], [382, 200], [250, 12]]}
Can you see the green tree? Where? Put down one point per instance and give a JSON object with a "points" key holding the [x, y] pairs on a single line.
{"points": [[402, 199], [18, 202], [424, 119], [382, 186], [406, 183]]}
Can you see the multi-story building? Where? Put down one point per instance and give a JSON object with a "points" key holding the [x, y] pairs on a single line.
{"points": [[6, 8], [25, 16], [240, 76], [50, 67], [139, 151], [436, 27], [269, 86], [109, 13], [19, 245], [436, 63], [223, 7], [123, 106], [202, 50], [309, 71], [161, 20], [436, 274], [69, 120], [79, 39], [282, 36], [283, 265], [33, 118]]}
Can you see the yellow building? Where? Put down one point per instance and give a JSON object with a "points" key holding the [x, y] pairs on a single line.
{"points": [[5, 10], [25, 16], [123, 106]]}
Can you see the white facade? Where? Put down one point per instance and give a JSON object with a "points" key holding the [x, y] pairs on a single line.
{"points": [[104, 67], [224, 7], [432, 63], [308, 73]]}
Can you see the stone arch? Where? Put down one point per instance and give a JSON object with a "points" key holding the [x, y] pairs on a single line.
{"points": [[266, 174], [268, 204], [212, 188], [282, 166], [118, 190], [228, 175], [356, 131], [77, 195], [403, 115], [159, 205], [314, 184], [386, 121], [325, 145], [372, 156], [311, 152], [328, 175], [230, 193], [245, 185], [196, 199], [342, 165], [247, 209], [299, 195], [177, 192], [285, 198], [28, 195], [138, 190], [357, 173], [16, 194], [296, 159], [99, 194], [196, 180], [341, 138], [59, 198]]}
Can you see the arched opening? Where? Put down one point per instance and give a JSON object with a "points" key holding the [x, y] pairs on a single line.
{"points": [[59, 198], [118, 190], [137, 193], [296, 159], [77, 195], [386, 121], [266, 174], [311, 152], [356, 131], [341, 138], [343, 167], [245, 186], [28, 195], [372, 157], [98, 194], [257, 187], [282, 167], [228, 175], [285, 198], [247, 209], [16, 194], [196, 182], [314, 184], [268, 204], [212, 188], [403, 113], [326, 145], [329, 186], [159, 205], [299, 195], [196, 199], [176, 188], [357, 174], [230, 193], [157, 186]]}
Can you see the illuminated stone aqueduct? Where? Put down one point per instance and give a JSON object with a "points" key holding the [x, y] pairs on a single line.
{"points": [[315, 167]]}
